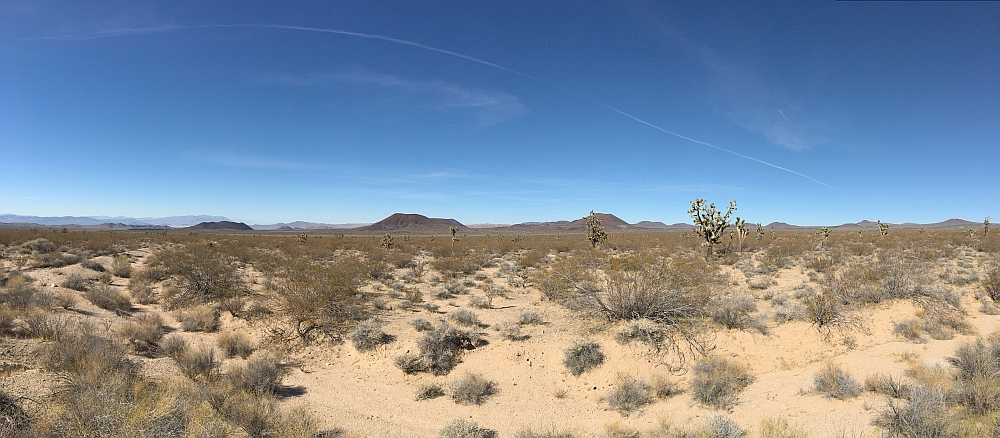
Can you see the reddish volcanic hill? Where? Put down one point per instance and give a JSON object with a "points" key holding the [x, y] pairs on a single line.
{"points": [[412, 223]]}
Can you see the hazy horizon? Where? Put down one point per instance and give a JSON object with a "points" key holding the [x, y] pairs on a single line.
{"points": [[345, 112]]}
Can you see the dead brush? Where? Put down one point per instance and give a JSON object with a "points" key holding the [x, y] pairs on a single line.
{"points": [[717, 382], [834, 381], [143, 333]]}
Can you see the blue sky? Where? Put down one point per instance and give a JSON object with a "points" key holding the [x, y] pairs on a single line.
{"points": [[811, 113]]}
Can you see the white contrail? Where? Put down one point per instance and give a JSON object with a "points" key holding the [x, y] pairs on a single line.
{"points": [[786, 118], [457, 55]]}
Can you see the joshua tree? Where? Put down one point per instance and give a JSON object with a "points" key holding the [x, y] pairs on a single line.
{"points": [[741, 232], [595, 234], [454, 238], [986, 226], [825, 232], [387, 241], [710, 223], [861, 233], [760, 232], [883, 229], [302, 238]]}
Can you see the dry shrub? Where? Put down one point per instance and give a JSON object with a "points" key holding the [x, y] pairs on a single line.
{"points": [[66, 299], [368, 334], [440, 350], [234, 343], [774, 427], [109, 298], [14, 420], [199, 319], [530, 317], [456, 266], [76, 282], [174, 346], [261, 373], [734, 313], [46, 326], [720, 426], [199, 362], [511, 332], [258, 415], [834, 381], [910, 329], [464, 317], [93, 265], [718, 381], [887, 385], [141, 289], [629, 394], [462, 428], [480, 301], [922, 415], [427, 391], [471, 388], [40, 245], [583, 357], [144, 332], [991, 281]]}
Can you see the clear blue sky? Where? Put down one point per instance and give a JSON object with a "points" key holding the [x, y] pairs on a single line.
{"points": [[817, 112]]}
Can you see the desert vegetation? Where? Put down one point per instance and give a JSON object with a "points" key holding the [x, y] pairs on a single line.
{"points": [[600, 333]]}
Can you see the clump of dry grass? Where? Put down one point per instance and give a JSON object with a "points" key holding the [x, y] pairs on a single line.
{"points": [[235, 343], [629, 394], [76, 282], [143, 332], [834, 381], [260, 373], [121, 266]]}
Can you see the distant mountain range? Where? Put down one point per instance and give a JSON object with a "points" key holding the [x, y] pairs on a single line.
{"points": [[416, 223]]}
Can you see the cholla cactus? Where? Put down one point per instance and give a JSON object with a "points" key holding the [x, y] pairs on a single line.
{"points": [[710, 223], [516, 239], [302, 238], [760, 232], [595, 234], [741, 232], [387, 241], [986, 226], [883, 229]]}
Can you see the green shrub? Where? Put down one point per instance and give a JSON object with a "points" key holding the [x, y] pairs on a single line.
{"points": [[203, 272], [718, 381], [835, 382], [320, 300], [629, 394], [582, 357]]}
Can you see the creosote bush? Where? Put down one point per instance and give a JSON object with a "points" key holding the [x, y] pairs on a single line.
{"points": [[440, 350], [260, 373], [76, 282], [121, 266], [582, 357], [464, 317], [144, 332], [718, 381]]}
